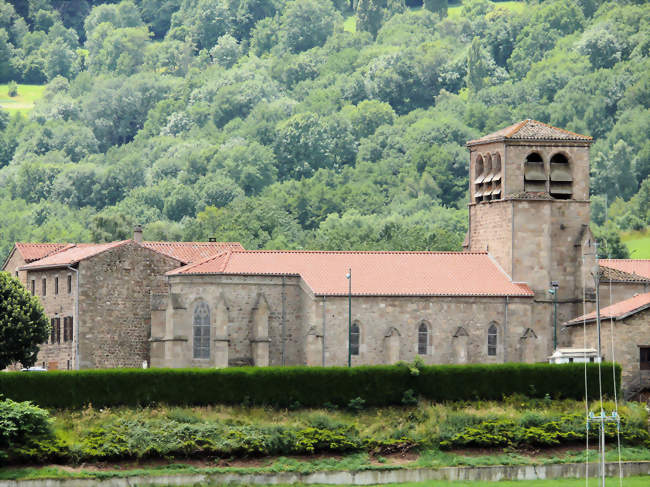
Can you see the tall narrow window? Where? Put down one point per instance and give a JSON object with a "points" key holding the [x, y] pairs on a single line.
{"points": [[423, 339], [644, 359], [56, 285], [52, 331], [492, 340], [57, 322], [354, 339], [44, 287], [69, 283], [201, 328], [33, 286]]}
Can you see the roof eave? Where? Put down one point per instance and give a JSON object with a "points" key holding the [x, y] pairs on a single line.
{"points": [[511, 140]]}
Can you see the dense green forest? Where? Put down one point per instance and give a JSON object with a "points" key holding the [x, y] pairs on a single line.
{"points": [[279, 124]]}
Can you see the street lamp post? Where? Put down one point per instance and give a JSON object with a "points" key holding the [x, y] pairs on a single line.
{"points": [[553, 291], [348, 276]]}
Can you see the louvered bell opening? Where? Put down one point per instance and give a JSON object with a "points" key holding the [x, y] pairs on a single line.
{"points": [[534, 171], [478, 196], [479, 179], [535, 186], [496, 177], [561, 190], [561, 172], [496, 193]]}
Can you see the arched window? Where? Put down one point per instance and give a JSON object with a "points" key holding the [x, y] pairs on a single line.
{"points": [[492, 340], [423, 339], [534, 174], [201, 330], [560, 180], [479, 170], [354, 339], [496, 177]]}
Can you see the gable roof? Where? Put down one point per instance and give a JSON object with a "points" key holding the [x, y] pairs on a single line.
{"points": [[33, 251], [616, 311], [72, 254], [188, 252], [531, 130], [639, 268], [373, 273]]}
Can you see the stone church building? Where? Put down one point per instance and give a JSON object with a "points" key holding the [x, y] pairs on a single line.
{"points": [[212, 304]]}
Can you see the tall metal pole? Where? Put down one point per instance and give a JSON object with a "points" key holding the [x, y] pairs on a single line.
{"points": [[600, 357], [349, 276], [555, 288]]}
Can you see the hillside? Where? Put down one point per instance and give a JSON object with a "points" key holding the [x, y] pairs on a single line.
{"points": [[290, 124]]}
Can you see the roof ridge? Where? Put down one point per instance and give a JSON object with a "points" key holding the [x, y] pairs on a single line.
{"points": [[192, 265], [589, 137], [378, 252], [517, 127]]}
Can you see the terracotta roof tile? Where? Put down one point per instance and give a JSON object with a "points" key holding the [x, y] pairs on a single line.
{"points": [[34, 251], [188, 252], [72, 254], [639, 267], [611, 274], [373, 273], [530, 130], [616, 311]]}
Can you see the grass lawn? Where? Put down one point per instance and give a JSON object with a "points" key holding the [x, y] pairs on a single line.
{"points": [[638, 243], [24, 102]]}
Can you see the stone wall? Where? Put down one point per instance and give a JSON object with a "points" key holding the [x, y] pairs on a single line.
{"points": [[629, 335], [490, 229], [115, 307], [253, 312], [620, 291], [12, 265], [56, 353]]}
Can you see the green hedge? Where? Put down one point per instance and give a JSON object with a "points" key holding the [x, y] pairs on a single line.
{"points": [[300, 386]]}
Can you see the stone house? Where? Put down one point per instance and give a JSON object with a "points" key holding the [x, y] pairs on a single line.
{"points": [[25, 253], [98, 297], [629, 320]]}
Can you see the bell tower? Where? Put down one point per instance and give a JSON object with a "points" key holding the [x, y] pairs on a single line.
{"points": [[529, 208]]}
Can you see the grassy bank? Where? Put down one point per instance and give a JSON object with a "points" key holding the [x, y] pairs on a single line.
{"points": [[638, 243], [24, 101]]}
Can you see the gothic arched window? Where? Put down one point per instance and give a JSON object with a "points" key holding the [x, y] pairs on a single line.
{"points": [[561, 179], [423, 339], [492, 340], [355, 334], [201, 330]]}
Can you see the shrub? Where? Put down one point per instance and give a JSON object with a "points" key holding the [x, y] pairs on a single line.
{"points": [[24, 429], [12, 89], [308, 386]]}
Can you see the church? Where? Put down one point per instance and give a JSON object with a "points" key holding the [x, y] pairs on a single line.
{"points": [[528, 265]]}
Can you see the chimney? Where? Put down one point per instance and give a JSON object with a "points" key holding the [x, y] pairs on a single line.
{"points": [[137, 233], [212, 239]]}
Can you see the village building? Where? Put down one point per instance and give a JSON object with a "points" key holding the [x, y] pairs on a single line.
{"points": [[529, 265], [629, 322]]}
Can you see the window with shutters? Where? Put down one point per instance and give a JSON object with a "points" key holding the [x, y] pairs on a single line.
{"points": [[52, 331], [57, 322], [560, 178], [534, 174], [201, 330]]}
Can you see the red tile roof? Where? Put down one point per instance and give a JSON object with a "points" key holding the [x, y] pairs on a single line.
{"points": [[530, 130], [617, 311], [373, 273], [34, 251], [188, 252], [72, 254], [631, 266]]}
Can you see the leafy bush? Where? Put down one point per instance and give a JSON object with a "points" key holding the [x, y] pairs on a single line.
{"points": [[23, 427], [369, 386]]}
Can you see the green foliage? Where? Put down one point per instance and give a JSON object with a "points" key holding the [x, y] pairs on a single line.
{"points": [[311, 387], [12, 89], [22, 427], [23, 324], [436, 6]]}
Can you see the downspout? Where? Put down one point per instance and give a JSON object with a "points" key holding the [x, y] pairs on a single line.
{"points": [[324, 320], [505, 331], [284, 320], [76, 317]]}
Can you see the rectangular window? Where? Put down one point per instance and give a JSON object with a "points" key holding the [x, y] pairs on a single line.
{"points": [[58, 330], [644, 362], [33, 286], [44, 286], [67, 329], [69, 284], [52, 331], [16, 273], [56, 285]]}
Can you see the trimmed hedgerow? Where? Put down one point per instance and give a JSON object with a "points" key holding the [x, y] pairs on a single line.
{"points": [[300, 386]]}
